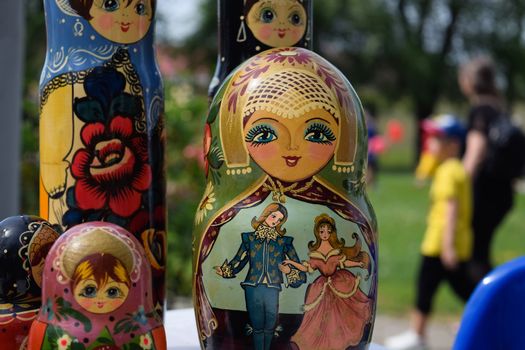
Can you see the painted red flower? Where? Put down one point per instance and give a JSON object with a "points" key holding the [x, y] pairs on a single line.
{"points": [[112, 170]]}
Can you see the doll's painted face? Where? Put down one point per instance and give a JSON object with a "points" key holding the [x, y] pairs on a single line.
{"points": [[277, 23], [291, 149], [121, 21], [325, 231], [100, 288], [274, 219]]}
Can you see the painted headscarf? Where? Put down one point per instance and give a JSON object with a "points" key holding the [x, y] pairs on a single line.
{"points": [[67, 319]]}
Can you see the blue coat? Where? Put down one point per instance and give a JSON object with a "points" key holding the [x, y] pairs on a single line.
{"points": [[264, 256]]}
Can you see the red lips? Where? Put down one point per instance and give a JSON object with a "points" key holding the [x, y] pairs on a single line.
{"points": [[291, 161], [281, 33], [124, 26]]}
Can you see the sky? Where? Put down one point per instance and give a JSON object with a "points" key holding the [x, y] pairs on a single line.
{"points": [[177, 18]]}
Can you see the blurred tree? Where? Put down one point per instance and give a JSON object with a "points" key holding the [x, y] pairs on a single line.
{"points": [[407, 49]]}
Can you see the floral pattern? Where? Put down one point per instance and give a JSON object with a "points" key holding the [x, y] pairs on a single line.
{"points": [[112, 171], [206, 204], [286, 54], [64, 342], [146, 342]]}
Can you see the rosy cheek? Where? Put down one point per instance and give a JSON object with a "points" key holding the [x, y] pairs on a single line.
{"points": [[105, 21], [86, 303], [266, 31], [264, 152], [320, 153], [143, 25], [296, 33]]}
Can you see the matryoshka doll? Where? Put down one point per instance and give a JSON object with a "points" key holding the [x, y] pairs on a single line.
{"points": [[285, 247], [101, 122], [24, 243], [248, 27], [97, 294]]}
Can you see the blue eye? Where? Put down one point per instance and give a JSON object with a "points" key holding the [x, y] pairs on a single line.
{"points": [[267, 15], [295, 19], [110, 5], [140, 9], [89, 292], [260, 135], [113, 293], [319, 133]]}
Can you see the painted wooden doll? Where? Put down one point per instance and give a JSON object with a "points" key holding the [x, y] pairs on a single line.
{"points": [[24, 243], [97, 294], [248, 27], [285, 238], [101, 122]]}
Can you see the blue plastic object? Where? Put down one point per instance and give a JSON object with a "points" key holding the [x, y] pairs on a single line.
{"points": [[494, 317]]}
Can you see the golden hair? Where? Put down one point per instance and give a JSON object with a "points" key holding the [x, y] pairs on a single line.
{"points": [[353, 253], [272, 208], [289, 89]]}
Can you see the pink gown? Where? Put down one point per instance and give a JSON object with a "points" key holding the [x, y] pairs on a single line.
{"points": [[336, 310]]}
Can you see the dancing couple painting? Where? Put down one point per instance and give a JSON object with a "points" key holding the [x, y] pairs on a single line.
{"points": [[336, 310]]}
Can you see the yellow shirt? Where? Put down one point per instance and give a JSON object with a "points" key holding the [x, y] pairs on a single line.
{"points": [[450, 182]]}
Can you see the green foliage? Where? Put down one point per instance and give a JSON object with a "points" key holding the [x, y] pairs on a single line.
{"points": [[185, 119]]}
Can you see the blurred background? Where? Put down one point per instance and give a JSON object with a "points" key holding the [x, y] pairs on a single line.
{"points": [[401, 56]]}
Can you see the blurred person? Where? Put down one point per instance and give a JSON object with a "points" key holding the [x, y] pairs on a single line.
{"points": [[375, 145], [447, 243], [493, 192]]}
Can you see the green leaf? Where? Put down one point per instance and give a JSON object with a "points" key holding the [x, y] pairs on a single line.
{"points": [[88, 110], [77, 346], [125, 105]]}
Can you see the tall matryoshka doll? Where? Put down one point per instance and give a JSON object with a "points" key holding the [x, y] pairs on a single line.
{"points": [[97, 294], [101, 122], [24, 243], [285, 237], [248, 27]]}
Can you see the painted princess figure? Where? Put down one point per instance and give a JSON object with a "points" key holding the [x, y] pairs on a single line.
{"points": [[286, 127], [97, 294], [335, 292]]}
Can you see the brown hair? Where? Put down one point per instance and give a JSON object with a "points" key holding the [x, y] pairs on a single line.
{"points": [[353, 253], [100, 267], [481, 74], [272, 208], [82, 7]]}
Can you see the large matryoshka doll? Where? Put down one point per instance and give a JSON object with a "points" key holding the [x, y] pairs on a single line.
{"points": [[97, 294], [285, 237], [101, 122], [248, 27], [24, 243]]}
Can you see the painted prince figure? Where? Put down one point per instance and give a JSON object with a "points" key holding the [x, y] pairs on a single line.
{"points": [[264, 249]]}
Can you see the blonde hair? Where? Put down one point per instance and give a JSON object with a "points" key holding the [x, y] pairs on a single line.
{"points": [[272, 208], [300, 83]]}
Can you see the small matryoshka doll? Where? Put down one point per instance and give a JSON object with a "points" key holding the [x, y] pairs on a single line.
{"points": [[24, 243], [285, 248], [97, 294], [248, 27]]}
